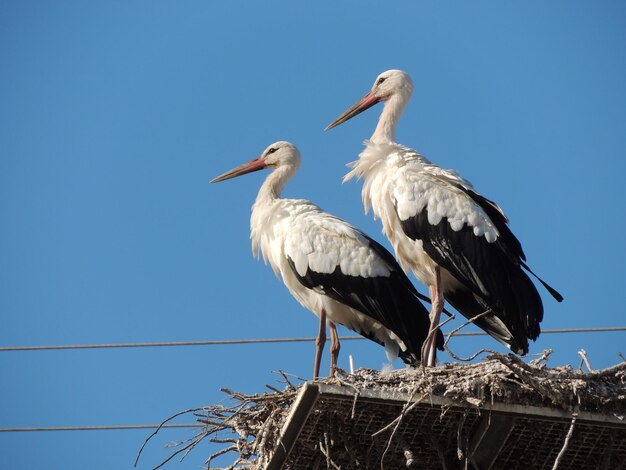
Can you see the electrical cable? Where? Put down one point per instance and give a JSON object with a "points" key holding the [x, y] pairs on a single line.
{"points": [[229, 342]]}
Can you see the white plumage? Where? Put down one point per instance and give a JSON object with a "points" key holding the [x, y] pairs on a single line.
{"points": [[455, 241], [332, 268], [408, 184]]}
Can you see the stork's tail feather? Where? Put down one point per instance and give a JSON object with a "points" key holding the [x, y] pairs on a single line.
{"points": [[465, 302], [553, 292]]}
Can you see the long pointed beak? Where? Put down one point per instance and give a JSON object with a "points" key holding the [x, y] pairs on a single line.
{"points": [[364, 103], [253, 165]]}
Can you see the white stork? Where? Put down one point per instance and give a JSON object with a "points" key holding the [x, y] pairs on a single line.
{"points": [[456, 241], [332, 268]]}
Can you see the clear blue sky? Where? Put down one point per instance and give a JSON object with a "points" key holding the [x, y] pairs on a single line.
{"points": [[115, 115]]}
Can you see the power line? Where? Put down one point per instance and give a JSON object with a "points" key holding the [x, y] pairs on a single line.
{"points": [[214, 343], [228, 342], [101, 428]]}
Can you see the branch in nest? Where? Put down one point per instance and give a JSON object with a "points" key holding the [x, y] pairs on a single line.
{"points": [[544, 357], [408, 406], [583, 354], [287, 381], [357, 392], [608, 371], [456, 330], [470, 358], [218, 453], [565, 444], [471, 320], [324, 448], [252, 425], [528, 374], [176, 415]]}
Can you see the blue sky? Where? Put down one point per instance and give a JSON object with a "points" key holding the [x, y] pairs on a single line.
{"points": [[115, 115]]}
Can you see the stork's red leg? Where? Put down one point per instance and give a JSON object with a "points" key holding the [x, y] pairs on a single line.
{"points": [[334, 348], [429, 349], [319, 344]]}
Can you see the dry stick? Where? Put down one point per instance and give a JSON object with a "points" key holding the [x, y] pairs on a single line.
{"points": [[326, 453], [261, 438], [216, 426], [357, 393], [456, 330], [528, 375], [408, 406], [241, 418], [608, 371], [235, 463], [191, 445], [223, 441], [197, 440], [180, 443], [177, 443], [621, 356], [471, 320], [218, 453], [396, 422], [566, 443], [240, 408], [459, 450], [582, 353], [190, 410], [273, 389], [510, 358], [469, 358], [327, 447], [544, 357], [284, 374], [256, 398]]}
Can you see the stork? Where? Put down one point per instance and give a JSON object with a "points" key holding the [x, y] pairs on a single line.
{"points": [[332, 268], [455, 241]]}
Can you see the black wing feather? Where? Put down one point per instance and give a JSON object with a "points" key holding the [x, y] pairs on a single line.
{"points": [[490, 271], [509, 242], [392, 301]]}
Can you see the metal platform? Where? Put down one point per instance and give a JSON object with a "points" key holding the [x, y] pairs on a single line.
{"points": [[328, 428]]}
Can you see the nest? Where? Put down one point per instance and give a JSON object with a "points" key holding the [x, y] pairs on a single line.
{"points": [[372, 419]]}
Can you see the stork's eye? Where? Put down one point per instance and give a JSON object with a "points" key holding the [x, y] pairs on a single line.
{"points": [[380, 80], [272, 150]]}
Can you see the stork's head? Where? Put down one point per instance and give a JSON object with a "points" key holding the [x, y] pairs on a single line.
{"points": [[281, 154], [278, 155], [388, 85]]}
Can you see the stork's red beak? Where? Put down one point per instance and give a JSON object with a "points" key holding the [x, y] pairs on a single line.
{"points": [[253, 165], [364, 103]]}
